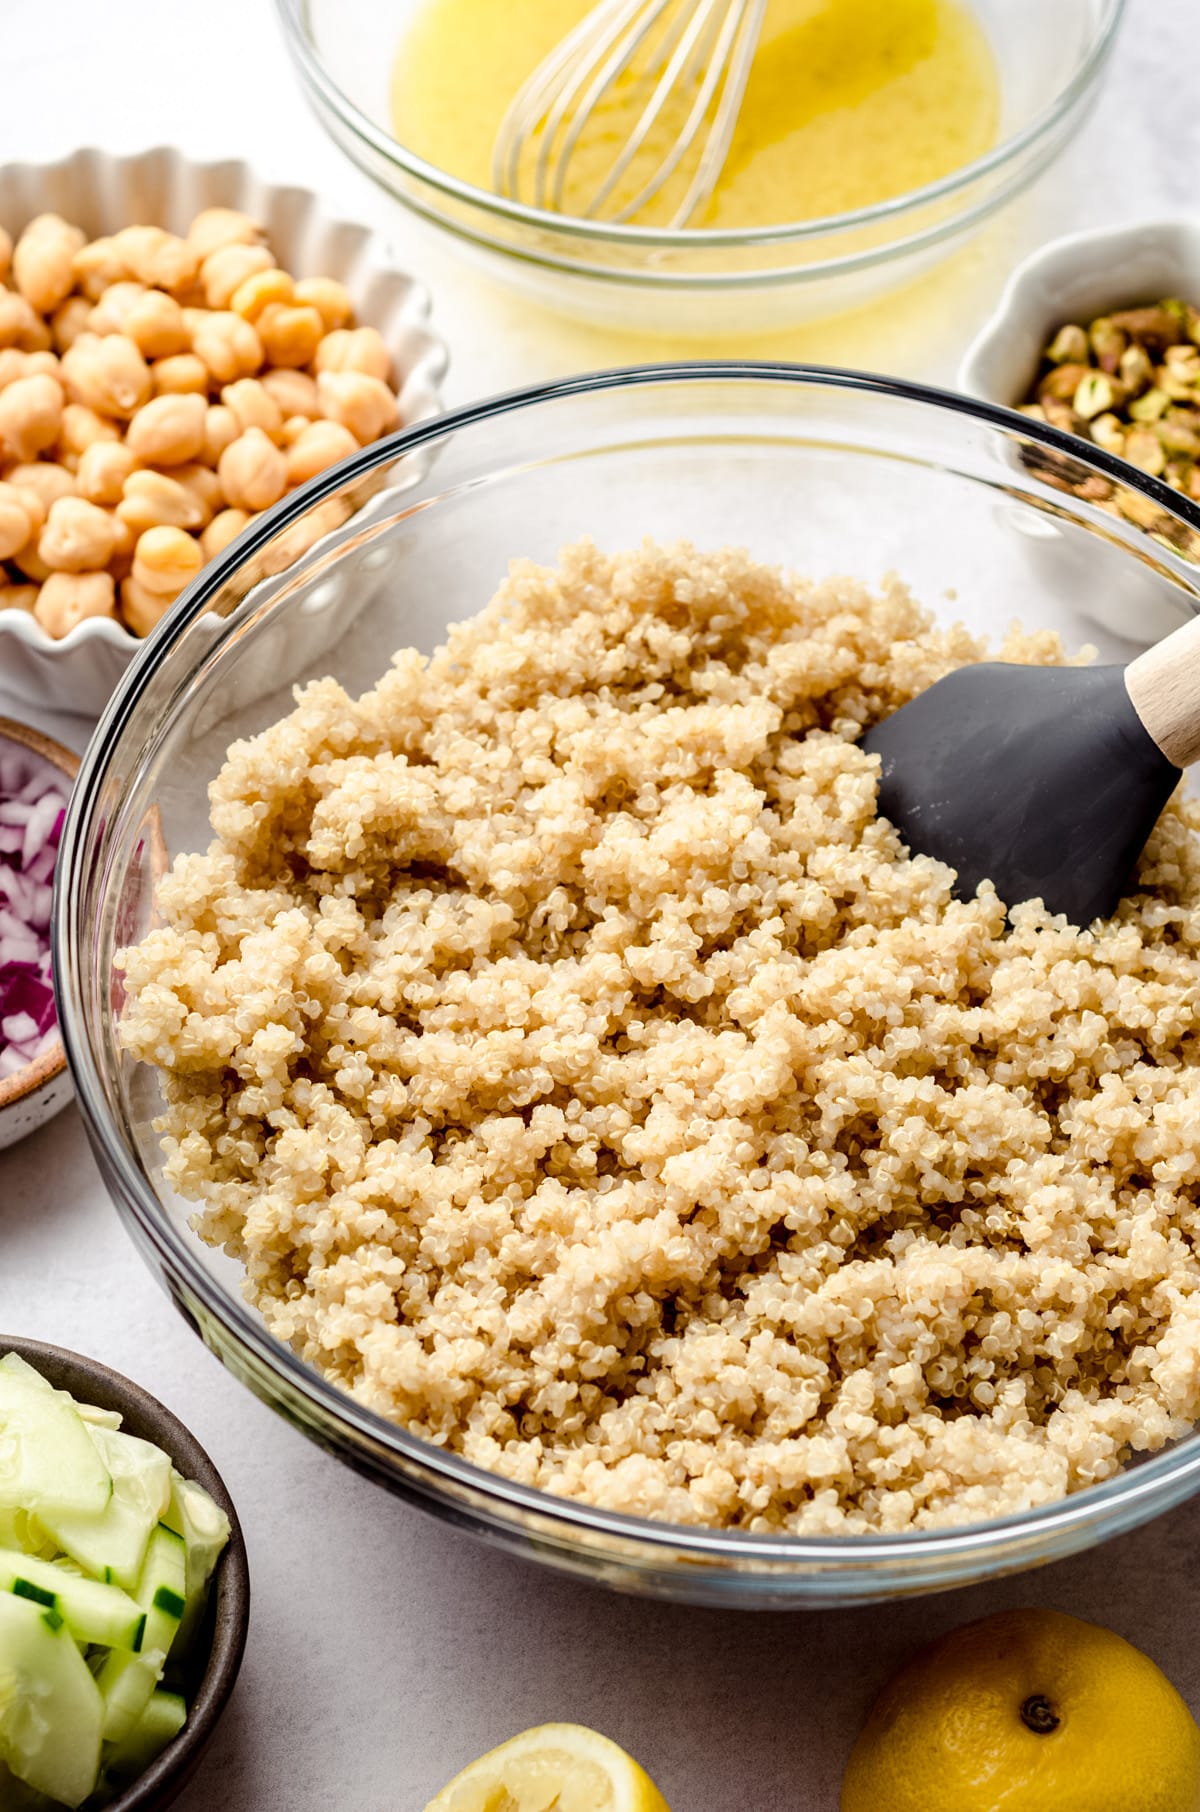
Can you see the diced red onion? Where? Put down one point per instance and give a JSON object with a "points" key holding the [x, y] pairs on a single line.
{"points": [[32, 808]]}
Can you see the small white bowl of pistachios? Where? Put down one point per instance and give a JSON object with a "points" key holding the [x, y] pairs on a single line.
{"points": [[1099, 335]]}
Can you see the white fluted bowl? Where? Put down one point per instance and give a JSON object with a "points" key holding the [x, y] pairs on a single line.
{"points": [[101, 194]]}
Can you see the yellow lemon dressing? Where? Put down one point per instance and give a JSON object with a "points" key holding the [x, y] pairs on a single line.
{"points": [[849, 102]]}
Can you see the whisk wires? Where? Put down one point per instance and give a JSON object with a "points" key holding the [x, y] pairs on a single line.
{"points": [[692, 55]]}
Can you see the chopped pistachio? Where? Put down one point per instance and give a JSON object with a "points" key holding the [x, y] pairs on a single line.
{"points": [[1144, 450], [1151, 326], [1177, 473], [1149, 406], [1177, 385], [1108, 433], [1136, 368], [1193, 483], [1069, 345], [1178, 437], [1095, 393], [1034, 411], [1108, 343], [1062, 382], [1193, 324], [1061, 415], [1183, 361]]}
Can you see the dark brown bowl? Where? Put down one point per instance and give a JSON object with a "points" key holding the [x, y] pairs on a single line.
{"points": [[229, 1603]]}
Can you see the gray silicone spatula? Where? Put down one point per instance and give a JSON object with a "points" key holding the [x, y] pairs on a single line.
{"points": [[1045, 780]]}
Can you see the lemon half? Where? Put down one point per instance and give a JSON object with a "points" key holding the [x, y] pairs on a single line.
{"points": [[553, 1768]]}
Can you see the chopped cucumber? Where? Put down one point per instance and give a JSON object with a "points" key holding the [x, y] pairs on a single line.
{"points": [[21, 1529], [15, 1796], [160, 1723], [98, 1418], [126, 1682], [204, 1527], [162, 1589], [91, 1611], [50, 1706], [113, 1544], [16, 1367], [48, 1460], [105, 1560]]}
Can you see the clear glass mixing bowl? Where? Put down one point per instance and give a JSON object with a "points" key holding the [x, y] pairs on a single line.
{"points": [[825, 471], [1050, 55]]}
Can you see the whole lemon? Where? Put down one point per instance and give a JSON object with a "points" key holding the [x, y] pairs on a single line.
{"points": [[1027, 1711]]}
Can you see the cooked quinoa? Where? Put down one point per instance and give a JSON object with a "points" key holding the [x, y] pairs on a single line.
{"points": [[589, 1081]]}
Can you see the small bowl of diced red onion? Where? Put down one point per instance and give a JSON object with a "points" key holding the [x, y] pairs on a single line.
{"points": [[35, 780]]}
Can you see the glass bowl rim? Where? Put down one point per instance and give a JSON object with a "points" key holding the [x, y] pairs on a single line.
{"points": [[447, 1476], [294, 20]]}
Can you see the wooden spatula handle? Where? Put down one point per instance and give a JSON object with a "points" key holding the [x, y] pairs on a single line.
{"points": [[1164, 686]]}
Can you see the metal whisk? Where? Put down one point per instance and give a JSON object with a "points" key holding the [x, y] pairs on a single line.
{"points": [[695, 53]]}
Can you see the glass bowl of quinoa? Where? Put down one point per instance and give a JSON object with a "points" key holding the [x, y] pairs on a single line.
{"points": [[521, 1049]]}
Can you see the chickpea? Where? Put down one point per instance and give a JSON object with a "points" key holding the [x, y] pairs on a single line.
{"points": [[16, 521], [156, 257], [253, 472], [220, 431], [215, 227], [78, 537], [124, 542], [141, 610], [330, 299], [21, 325], [81, 426], [292, 429], [43, 261], [155, 325], [108, 373], [67, 599], [253, 406], [165, 560], [45, 482], [168, 430], [321, 444], [180, 375], [69, 320], [30, 415], [204, 485], [152, 500], [103, 470], [5, 255], [28, 561], [225, 527], [260, 289], [363, 350], [111, 313], [365, 405], [15, 364], [18, 597], [223, 271], [294, 391], [229, 346], [290, 336], [97, 267]]}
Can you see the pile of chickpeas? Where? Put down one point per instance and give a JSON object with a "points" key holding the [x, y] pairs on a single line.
{"points": [[156, 393]]}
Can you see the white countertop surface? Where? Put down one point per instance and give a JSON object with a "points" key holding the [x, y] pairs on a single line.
{"points": [[386, 1651]]}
